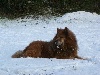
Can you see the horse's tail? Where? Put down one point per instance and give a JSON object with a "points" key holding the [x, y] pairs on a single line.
{"points": [[17, 54]]}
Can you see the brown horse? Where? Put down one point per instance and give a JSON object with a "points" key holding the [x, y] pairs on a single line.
{"points": [[63, 46]]}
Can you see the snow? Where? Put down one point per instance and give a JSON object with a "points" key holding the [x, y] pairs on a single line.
{"points": [[17, 34]]}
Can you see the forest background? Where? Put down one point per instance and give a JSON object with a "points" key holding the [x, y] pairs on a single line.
{"points": [[21, 8]]}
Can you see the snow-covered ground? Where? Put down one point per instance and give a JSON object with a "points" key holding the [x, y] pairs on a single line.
{"points": [[17, 34]]}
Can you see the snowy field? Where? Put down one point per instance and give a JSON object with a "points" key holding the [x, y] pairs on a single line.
{"points": [[17, 34]]}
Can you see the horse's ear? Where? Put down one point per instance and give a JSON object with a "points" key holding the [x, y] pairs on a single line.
{"points": [[66, 30], [57, 29]]}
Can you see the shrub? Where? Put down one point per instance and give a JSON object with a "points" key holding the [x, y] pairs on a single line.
{"points": [[17, 8]]}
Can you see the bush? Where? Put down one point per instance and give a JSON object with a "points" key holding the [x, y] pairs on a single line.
{"points": [[17, 8]]}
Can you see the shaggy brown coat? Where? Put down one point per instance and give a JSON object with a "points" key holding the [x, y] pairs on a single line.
{"points": [[63, 46]]}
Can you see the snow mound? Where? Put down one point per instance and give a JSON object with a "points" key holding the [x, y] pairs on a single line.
{"points": [[17, 34]]}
